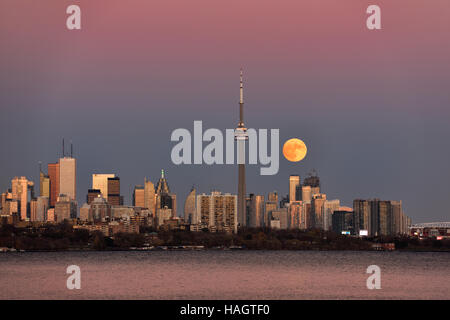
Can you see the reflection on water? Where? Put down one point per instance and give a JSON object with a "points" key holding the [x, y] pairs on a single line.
{"points": [[225, 275]]}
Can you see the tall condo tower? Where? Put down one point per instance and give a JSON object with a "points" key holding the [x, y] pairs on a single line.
{"points": [[241, 135]]}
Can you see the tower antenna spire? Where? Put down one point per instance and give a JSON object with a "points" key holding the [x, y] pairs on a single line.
{"points": [[71, 149], [63, 152], [241, 100]]}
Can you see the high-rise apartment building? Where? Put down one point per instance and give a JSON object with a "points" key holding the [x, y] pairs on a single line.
{"points": [[256, 212], [295, 214], [269, 207], [328, 208], [306, 194], [362, 219], [279, 219], [294, 188], [317, 206], [312, 180], [217, 211]]}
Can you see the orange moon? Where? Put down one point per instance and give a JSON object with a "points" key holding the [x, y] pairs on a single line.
{"points": [[294, 150]]}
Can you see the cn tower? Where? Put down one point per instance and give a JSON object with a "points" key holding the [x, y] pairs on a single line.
{"points": [[241, 135]]}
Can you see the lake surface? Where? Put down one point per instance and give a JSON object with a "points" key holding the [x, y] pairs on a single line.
{"points": [[225, 275]]}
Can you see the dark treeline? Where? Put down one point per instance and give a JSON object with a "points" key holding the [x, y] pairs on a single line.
{"points": [[64, 237]]}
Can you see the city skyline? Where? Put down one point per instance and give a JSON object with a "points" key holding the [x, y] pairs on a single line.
{"points": [[372, 107]]}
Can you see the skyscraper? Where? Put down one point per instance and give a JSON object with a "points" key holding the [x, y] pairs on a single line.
{"points": [[139, 197], [44, 183], [306, 194], [362, 219], [149, 196], [100, 182], [294, 185], [190, 215], [217, 211], [67, 177], [165, 199], [317, 206], [328, 208], [53, 173], [20, 187], [241, 136], [114, 197], [312, 180], [256, 216]]}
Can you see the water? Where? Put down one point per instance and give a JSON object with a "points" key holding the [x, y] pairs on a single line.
{"points": [[225, 275]]}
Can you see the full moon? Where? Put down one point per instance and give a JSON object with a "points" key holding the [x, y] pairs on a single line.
{"points": [[294, 150]]}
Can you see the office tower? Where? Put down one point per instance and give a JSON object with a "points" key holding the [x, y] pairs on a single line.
{"points": [[362, 218], [65, 208], [165, 199], [328, 208], [53, 173], [295, 214], [92, 194], [306, 194], [218, 212], [241, 136], [279, 219], [190, 211], [162, 186], [100, 182], [317, 206], [270, 206], [294, 185], [342, 222], [44, 183], [67, 177], [149, 196], [20, 187], [41, 209], [114, 198], [312, 180], [139, 197], [256, 212]]}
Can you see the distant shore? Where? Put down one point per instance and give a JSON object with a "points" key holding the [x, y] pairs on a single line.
{"points": [[64, 237]]}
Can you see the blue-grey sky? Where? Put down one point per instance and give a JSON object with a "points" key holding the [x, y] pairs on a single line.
{"points": [[371, 106]]}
